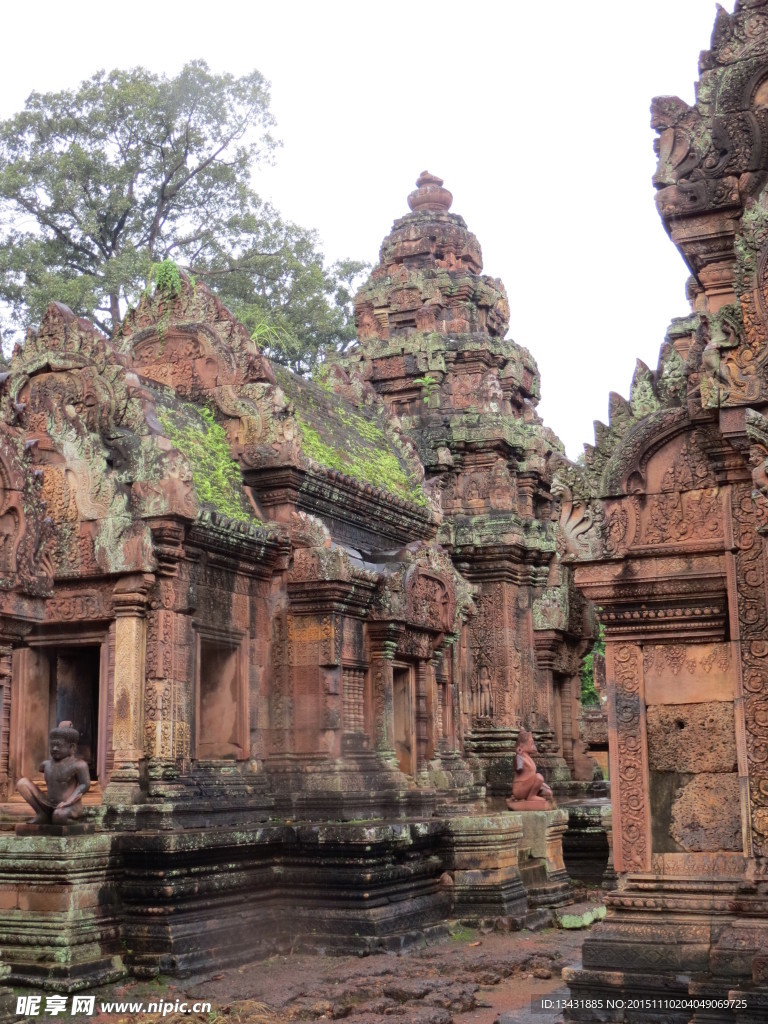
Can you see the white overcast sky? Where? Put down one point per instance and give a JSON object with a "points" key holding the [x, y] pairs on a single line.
{"points": [[535, 114]]}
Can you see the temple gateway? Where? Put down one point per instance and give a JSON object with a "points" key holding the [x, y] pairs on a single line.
{"points": [[309, 634]]}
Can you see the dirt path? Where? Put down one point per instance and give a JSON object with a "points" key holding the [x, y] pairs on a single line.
{"points": [[471, 978]]}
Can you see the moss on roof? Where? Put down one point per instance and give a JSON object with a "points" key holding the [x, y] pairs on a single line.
{"points": [[203, 442], [336, 435]]}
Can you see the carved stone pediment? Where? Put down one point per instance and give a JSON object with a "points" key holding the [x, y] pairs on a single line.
{"points": [[430, 601]]}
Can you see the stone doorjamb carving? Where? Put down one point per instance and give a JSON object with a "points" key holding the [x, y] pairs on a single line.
{"points": [[629, 757]]}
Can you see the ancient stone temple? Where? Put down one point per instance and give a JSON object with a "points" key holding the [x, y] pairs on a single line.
{"points": [[297, 624], [667, 522], [431, 342]]}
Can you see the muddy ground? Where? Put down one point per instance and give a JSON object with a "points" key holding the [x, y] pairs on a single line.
{"points": [[472, 977]]}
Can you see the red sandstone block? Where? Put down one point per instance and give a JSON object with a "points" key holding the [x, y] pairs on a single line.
{"points": [[8, 899], [45, 901]]}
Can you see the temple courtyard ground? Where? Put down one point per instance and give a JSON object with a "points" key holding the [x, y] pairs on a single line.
{"points": [[472, 976]]}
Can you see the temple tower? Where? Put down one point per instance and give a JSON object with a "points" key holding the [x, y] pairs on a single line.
{"points": [[431, 330]]}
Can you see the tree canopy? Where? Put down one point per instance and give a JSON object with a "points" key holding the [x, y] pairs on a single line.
{"points": [[99, 184]]}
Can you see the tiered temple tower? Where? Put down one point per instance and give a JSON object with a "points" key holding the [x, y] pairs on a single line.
{"points": [[431, 331]]}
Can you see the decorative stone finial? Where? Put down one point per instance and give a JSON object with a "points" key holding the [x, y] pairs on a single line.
{"points": [[430, 194]]}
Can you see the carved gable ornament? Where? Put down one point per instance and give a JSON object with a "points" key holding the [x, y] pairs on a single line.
{"points": [[430, 601], [191, 342]]}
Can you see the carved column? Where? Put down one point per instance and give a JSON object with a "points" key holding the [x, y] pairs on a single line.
{"points": [[425, 714], [6, 665], [169, 672], [130, 601], [527, 484], [383, 640]]}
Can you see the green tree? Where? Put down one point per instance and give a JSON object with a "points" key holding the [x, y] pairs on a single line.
{"points": [[99, 184]]}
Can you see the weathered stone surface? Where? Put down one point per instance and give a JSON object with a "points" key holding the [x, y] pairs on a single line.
{"points": [[668, 518], [59, 911], [706, 814], [691, 737]]}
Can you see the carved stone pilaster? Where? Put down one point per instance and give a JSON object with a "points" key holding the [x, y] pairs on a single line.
{"points": [[384, 639], [130, 599], [629, 758], [425, 716]]}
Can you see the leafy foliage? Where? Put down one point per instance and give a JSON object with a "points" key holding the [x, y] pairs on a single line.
{"points": [[166, 277], [589, 695], [100, 184]]}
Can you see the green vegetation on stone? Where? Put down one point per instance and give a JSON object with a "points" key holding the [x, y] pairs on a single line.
{"points": [[373, 462], [166, 278], [589, 695], [203, 443]]}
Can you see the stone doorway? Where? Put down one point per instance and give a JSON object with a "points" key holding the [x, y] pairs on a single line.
{"points": [[404, 718], [56, 682], [74, 697]]}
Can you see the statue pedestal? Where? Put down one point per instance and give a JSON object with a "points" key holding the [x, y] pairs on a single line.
{"points": [[75, 829], [541, 857], [484, 867], [536, 803], [59, 928]]}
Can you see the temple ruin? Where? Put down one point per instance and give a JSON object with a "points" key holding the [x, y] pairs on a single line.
{"points": [[298, 625]]}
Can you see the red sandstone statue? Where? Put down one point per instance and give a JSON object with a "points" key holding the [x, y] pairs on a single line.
{"points": [[529, 790], [66, 779]]}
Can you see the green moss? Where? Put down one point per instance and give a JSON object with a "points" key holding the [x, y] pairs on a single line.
{"points": [[203, 442], [336, 436], [373, 462], [322, 377], [589, 695]]}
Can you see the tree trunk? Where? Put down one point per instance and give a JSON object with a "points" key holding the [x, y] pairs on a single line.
{"points": [[114, 311]]}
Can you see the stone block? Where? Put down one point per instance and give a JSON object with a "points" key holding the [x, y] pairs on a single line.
{"points": [[705, 814], [691, 737], [482, 859]]}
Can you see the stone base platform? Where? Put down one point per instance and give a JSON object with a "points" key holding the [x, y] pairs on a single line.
{"points": [[482, 859], [59, 917], [541, 858], [79, 910], [223, 896], [668, 937]]}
